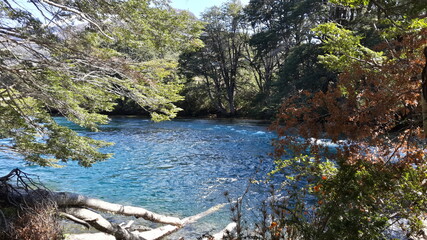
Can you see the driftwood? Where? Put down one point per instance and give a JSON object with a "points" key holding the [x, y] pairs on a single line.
{"points": [[91, 236], [65, 199], [82, 210], [226, 232], [104, 226]]}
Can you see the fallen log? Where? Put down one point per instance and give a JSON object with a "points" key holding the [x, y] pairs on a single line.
{"points": [[81, 209], [74, 219], [90, 236], [93, 219], [169, 229], [78, 208], [226, 232], [153, 234], [66, 199]]}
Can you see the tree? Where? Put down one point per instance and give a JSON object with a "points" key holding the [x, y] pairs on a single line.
{"points": [[33, 202], [220, 60], [263, 62], [77, 58], [269, 31], [372, 178], [284, 51]]}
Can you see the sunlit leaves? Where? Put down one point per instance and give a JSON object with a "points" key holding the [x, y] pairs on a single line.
{"points": [[351, 3], [343, 47], [120, 50], [371, 119], [400, 27]]}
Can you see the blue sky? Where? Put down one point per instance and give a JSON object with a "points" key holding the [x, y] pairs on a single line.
{"points": [[198, 6], [194, 6]]}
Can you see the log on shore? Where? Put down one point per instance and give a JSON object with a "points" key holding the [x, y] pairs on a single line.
{"points": [[82, 210], [66, 199]]}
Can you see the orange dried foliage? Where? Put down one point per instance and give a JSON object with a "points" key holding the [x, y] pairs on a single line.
{"points": [[374, 107], [273, 225]]}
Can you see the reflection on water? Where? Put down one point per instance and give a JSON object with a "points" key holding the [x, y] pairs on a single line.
{"points": [[180, 167]]}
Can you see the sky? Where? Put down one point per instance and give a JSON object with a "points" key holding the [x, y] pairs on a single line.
{"points": [[199, 6], [194, 6]]}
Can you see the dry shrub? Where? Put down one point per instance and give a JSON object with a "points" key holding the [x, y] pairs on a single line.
{"points": [[27, 211], [36, 221]]}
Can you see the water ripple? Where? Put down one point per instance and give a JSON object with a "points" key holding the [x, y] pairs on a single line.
{"points": [[179, 167]]}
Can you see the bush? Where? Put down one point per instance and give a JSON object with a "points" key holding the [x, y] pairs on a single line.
{"points": [[36, 221], [361, 200]]}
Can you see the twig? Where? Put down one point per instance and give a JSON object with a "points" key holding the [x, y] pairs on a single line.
{"points": [[82, 15]]}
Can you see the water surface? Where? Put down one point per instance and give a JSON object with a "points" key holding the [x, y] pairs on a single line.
{"points": [[179, 167]]}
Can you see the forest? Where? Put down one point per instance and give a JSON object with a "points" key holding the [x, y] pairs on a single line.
{"points": [[353, 72]]}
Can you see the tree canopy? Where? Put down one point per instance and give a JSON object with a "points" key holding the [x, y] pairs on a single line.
{"points": [[219, 62], [76, 58], [350, 71], [373, 175]]}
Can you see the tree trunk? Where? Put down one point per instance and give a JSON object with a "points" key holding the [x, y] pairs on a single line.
{"points": [[81, 209], [230, 98], [232, 107], [424, 114], [424, 94], [65, 199], [226, 233], [125, 234]]}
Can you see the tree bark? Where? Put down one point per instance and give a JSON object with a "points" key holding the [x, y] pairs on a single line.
{"points": [[90, 236], [81, 209], [424, 94], [66, 199], [103, 225], [424, 114], [226, 232]]}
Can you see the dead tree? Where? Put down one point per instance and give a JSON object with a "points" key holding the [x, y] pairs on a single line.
{"points": [[18, 189]]}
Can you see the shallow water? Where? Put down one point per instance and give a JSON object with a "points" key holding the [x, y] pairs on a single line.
{"points": [[179, 167]]}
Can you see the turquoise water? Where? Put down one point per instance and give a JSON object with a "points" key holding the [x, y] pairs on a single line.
{"points": [[179, 167]]}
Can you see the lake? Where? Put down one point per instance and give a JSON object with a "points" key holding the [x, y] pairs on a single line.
{"points": [[178, 168]]}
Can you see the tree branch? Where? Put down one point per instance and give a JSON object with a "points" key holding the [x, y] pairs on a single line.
{"points": [[65, 199], [82, 15], [74, 219]]}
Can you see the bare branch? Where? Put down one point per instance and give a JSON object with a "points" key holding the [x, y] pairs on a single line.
{"points": [[82, 15], [74, 219], [71, 199]]}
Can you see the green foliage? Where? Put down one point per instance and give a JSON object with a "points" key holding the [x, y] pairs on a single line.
{"points": [[372, 185], [220, 61], [363, 200], [41, 140], [351, 3], [343, 47], [145, 32], [289, 21], [408, 9], [400, 27], [283, 51], [301, 70], [122, 51], [197, 102]]}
